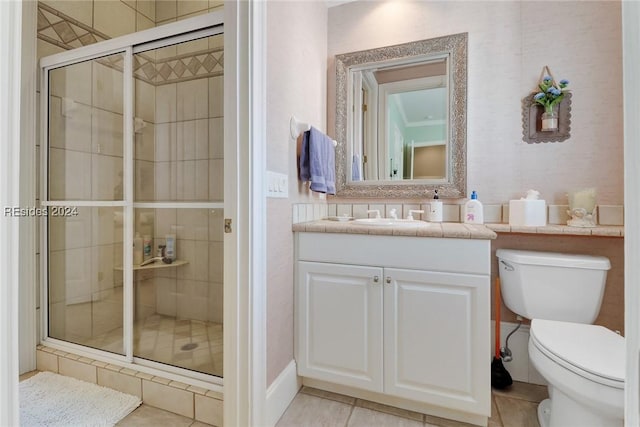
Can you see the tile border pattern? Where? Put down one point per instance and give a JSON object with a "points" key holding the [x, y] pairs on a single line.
{"points": [[68, 33], [177, 397]]}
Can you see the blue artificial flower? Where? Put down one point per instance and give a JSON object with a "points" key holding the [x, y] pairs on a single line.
{"points": [[547, 79], [556, 91], [538, 96], [564, 82], [551, 89]]}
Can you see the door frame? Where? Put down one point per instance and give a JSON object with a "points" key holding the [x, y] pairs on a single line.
{"points": [[631, 110], [245, 291], [11, 131]]}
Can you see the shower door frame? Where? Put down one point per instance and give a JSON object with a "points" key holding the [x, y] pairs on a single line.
{"points": [[170, 34]]}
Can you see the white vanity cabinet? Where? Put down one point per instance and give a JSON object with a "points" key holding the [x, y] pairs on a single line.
{"points": [[340, 326], [404, 318]]}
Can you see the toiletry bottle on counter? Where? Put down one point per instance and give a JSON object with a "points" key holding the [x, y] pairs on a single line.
{"points": [[146, 244], [473, 213], [170, 250], [138, 256], [435, 209]]}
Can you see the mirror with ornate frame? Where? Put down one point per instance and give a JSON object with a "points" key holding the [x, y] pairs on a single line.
{"points": [[401, 119]]}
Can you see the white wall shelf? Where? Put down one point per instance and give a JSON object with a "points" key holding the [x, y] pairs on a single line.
{"points": [[157, 264], [565, 230]]}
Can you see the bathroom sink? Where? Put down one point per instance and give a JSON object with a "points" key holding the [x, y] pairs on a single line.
{"points": [[389, 222]]}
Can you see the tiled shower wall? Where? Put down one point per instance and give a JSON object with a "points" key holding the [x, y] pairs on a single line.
{"points": [[186, 164]]}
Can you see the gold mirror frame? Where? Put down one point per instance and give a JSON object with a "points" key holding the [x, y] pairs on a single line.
{"points": [[455, 46]]}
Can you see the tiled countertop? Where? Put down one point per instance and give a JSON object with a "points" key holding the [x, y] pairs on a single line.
{"points": [[601, 230], [427, 229], [455, 230]]}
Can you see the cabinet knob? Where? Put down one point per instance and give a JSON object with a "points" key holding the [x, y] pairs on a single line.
{"points": [[376, 279], [388, 280]]}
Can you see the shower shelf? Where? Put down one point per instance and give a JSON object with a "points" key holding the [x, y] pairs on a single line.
{"points": [[176, 263]]}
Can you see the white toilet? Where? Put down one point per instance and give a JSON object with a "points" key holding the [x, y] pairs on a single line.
{"points": [[584, 364]]}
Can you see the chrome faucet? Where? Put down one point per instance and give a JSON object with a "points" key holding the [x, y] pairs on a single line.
{"points": [[412, 211], [393, 214]]}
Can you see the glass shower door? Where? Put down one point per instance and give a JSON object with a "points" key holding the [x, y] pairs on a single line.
{"points": [[178, 202], [134, 192], [85, 203]]}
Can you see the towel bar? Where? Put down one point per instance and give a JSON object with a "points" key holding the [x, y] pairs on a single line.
{"points": [[296, 127]]}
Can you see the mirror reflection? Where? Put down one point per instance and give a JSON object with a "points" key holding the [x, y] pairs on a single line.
{"points": [[401, 119]]}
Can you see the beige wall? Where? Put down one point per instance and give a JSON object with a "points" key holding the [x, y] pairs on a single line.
{"points": [[296, 76], [509, 43]]}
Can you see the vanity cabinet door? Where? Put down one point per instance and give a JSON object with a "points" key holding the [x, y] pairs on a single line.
{"points": [[437, 338], [339, 321]]}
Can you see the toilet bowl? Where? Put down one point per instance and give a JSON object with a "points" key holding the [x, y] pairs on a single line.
{"points": [[584, 366]]}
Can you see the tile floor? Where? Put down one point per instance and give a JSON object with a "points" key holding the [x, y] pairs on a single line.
{"points": [[515, 407], [148, 416]]}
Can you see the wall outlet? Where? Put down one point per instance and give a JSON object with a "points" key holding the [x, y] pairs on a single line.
{"points": [[277, 185]]}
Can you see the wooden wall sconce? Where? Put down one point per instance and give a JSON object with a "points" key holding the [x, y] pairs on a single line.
{"points": [[532, 121]]}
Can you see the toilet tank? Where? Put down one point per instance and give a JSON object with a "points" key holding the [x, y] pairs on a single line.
{"points": [[552, 286]]}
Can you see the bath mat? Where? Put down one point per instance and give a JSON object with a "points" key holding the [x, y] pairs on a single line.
{"points": [[49, 399]]}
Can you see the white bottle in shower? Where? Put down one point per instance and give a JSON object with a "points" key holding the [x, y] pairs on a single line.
{"points": [[138, 254], [170, 250], [146, 243]]}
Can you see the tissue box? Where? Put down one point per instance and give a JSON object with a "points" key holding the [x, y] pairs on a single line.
{"points": [[530, 213]]}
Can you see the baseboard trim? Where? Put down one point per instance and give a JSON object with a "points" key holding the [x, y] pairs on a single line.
{"points": [[281, 392]]}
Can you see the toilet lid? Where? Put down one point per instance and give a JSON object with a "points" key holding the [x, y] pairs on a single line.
{"points": [[589, 348]]}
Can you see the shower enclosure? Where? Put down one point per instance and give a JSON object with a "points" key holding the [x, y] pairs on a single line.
{"points": [[132, 152]]}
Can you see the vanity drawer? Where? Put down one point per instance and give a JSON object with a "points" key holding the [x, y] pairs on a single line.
{"points": [[470, 256]]}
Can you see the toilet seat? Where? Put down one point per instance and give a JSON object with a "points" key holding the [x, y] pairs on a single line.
{"points": [[591, 351]]}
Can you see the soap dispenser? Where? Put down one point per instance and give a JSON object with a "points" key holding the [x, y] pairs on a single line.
{"points": [[473, 213], [435, 209]]}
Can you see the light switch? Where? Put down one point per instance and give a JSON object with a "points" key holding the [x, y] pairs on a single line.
{"points": [[277, 185]]}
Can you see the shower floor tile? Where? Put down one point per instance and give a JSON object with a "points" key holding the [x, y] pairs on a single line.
{"points": [[189, 344]]}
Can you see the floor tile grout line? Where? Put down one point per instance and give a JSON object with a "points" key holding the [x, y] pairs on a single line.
{"points": [[354, 404], [493, 400], [353, 407]]}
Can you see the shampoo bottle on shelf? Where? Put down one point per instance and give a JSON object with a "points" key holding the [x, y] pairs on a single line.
{"points": [[138, 256], [170, 249], [473, 213], [146, 243]]}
